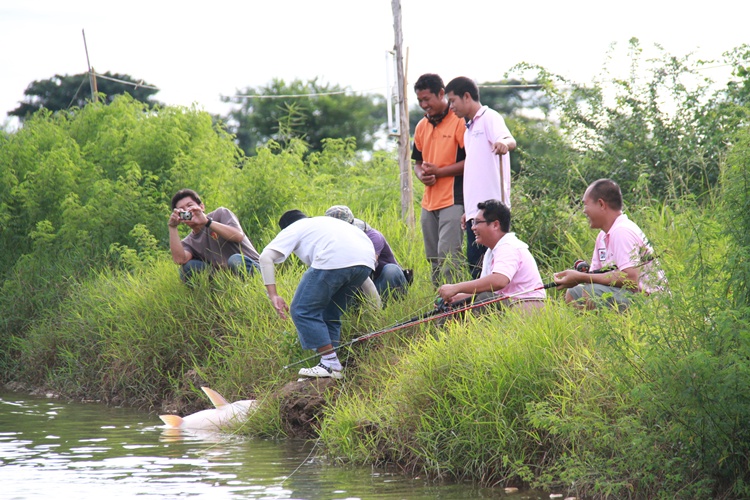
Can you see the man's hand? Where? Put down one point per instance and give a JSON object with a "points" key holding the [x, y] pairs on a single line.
{"points": [[174, 218], [429, 169], [500, 147], [280, 305], [569, 278], [447, 292], [428, 179], [463, 222], [199, 217]]}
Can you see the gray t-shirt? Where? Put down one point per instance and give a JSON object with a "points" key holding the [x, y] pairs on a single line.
{"points": [[212, 248]]}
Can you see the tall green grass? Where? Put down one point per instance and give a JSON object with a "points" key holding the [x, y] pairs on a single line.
{"points": [[650, 403]]}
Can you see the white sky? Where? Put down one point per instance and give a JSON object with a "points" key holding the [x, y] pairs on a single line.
{"points": [[196, 54]]}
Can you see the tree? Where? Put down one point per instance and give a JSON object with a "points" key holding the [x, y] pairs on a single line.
{"points": [[661, 132], [325, 112], [66, 91], [515, 98]]}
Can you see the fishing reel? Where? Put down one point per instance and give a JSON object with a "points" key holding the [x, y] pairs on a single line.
{"points": [[582, 266], [442, 306]]}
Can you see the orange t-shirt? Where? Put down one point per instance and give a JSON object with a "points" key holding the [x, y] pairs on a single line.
{"points": [[442, 145]]}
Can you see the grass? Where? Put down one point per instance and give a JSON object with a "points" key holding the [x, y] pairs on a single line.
{"points": [[650, 403]]}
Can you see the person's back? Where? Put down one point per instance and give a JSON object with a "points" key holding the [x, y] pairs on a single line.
{"points": [[511, 257], [325, 243], [389, 278]]}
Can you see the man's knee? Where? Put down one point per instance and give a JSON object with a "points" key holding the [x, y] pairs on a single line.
{"points": [[190, 268], [241, 264], [391, 281]]}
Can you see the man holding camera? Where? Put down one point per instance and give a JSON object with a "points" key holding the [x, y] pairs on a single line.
{"points": [[215, 242]]}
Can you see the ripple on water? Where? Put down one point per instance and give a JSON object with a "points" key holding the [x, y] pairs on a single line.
{"points": [[90, 451]]}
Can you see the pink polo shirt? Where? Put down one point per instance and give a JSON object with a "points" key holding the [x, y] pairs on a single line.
{"points": [[625, 246], [512, 259], [482, 166]]}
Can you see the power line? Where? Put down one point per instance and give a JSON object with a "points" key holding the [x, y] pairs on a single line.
{"points": [[519, 86], [312, 94], [134, 84]]}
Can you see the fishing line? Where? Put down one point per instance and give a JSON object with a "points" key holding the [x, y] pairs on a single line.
{"points": [[315, 445], [436, 313]]}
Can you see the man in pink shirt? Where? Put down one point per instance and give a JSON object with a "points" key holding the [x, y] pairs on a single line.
{"points": [[488, 144], [509, 268], [623, 260]]}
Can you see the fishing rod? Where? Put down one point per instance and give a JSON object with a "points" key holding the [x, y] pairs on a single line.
{"points": [[441, 310]]}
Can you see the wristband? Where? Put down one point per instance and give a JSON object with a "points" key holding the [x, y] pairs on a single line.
{"points": [[210, 220]]}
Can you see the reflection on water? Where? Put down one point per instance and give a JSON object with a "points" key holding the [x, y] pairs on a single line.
{"points": [[88, 451]]}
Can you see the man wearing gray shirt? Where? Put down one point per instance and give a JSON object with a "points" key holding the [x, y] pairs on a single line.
{"points": [[215, 242]]}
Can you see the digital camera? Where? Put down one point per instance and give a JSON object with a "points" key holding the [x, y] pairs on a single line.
{"points": [[186, 215]]}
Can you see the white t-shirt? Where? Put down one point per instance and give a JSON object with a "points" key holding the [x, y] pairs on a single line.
{"points": [[324, 243]]}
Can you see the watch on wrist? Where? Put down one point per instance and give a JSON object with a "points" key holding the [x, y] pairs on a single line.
{"points": [[210, 220]]}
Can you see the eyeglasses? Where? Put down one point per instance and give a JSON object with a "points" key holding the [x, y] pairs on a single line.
{"points": [[476, 222]]}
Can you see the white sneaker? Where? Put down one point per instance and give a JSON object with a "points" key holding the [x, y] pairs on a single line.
{"points": [[321, 371]]}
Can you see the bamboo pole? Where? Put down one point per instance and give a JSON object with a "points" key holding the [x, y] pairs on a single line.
{"points": [[92, 75], [404, 158]]}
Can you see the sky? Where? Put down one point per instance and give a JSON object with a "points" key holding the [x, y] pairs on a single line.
{"points": [[196, 52]]}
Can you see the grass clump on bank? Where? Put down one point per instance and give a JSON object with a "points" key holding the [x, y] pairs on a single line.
{"points": [[650, 403]]}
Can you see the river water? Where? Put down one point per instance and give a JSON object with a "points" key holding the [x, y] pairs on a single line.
{"points": [[54, 449]]}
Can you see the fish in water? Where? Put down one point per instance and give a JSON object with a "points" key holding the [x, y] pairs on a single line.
{"points": [[213, 419]]}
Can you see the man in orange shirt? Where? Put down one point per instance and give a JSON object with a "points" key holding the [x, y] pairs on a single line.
{"points": [[438, 155]]}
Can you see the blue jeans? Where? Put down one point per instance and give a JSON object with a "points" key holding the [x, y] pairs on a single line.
{"points": [[391, 282], [239, 264], [321, 298], [474, 253]]}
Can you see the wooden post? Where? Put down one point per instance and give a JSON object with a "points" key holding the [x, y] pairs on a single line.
{"points": [[92, 75], [404, 143]]}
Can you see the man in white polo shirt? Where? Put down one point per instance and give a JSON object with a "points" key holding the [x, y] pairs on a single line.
{"points": [[509, 268], [488, 144], [620, 246], [341, 257]]}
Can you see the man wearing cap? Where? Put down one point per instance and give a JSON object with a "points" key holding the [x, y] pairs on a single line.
{"points": [[340, 258], [389, 277]]}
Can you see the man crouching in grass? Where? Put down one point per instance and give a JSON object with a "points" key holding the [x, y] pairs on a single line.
{"points": [[508, 267]]}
